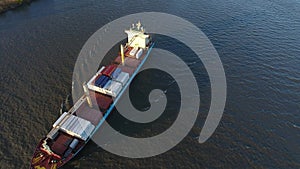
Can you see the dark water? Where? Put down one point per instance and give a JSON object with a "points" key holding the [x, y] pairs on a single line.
{"points": [[258, 42]]}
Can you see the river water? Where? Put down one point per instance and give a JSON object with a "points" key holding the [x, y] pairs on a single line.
{"points": [[257, 41]]}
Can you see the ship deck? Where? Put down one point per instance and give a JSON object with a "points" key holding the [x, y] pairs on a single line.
{"points": [[58, 142]]}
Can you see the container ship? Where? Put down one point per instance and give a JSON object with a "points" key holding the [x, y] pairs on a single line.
{"points": [[74, 128]]}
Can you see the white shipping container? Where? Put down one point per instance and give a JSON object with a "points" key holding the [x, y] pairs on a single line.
{"points": [[133, 51], [139, 54], [78, 127], [115, 88], [122, 78]]}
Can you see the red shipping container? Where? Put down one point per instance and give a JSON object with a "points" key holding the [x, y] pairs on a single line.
{"points": [[103, 101], [61, 144], [109, 70]]}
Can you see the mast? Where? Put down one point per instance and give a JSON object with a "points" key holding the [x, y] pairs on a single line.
{"points": [[122, 54]]}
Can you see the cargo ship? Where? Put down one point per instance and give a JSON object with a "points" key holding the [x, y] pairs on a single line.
{"points": [[74, 128]]}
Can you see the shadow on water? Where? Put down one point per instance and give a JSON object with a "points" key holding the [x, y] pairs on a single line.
{"points": [[89, 150]]}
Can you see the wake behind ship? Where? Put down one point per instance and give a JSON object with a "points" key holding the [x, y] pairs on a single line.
{"points": [[73, 129]]}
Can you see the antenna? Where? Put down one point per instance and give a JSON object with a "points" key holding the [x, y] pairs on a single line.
{"points": [[138, 25]]}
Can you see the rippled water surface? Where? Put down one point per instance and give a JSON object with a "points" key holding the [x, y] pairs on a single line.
{"points": [[258, 43]]}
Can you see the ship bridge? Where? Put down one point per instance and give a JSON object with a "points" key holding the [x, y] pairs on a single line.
{"points": [[137, 37]]}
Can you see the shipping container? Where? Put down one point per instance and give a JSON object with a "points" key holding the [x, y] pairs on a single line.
{"points": [[74, 143], [107, 85], [102, 87], [133, 51], [78, 127], [122, 78], [116, 73], [115, 88], [96, 76], [103, 101], [139, 54], [112, 89], [109, 70], [103, 83], [59, 146], [99, 80], [134, 63]]}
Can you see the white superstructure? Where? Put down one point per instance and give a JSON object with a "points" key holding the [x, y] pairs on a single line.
{"points": [[137, 37]]}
